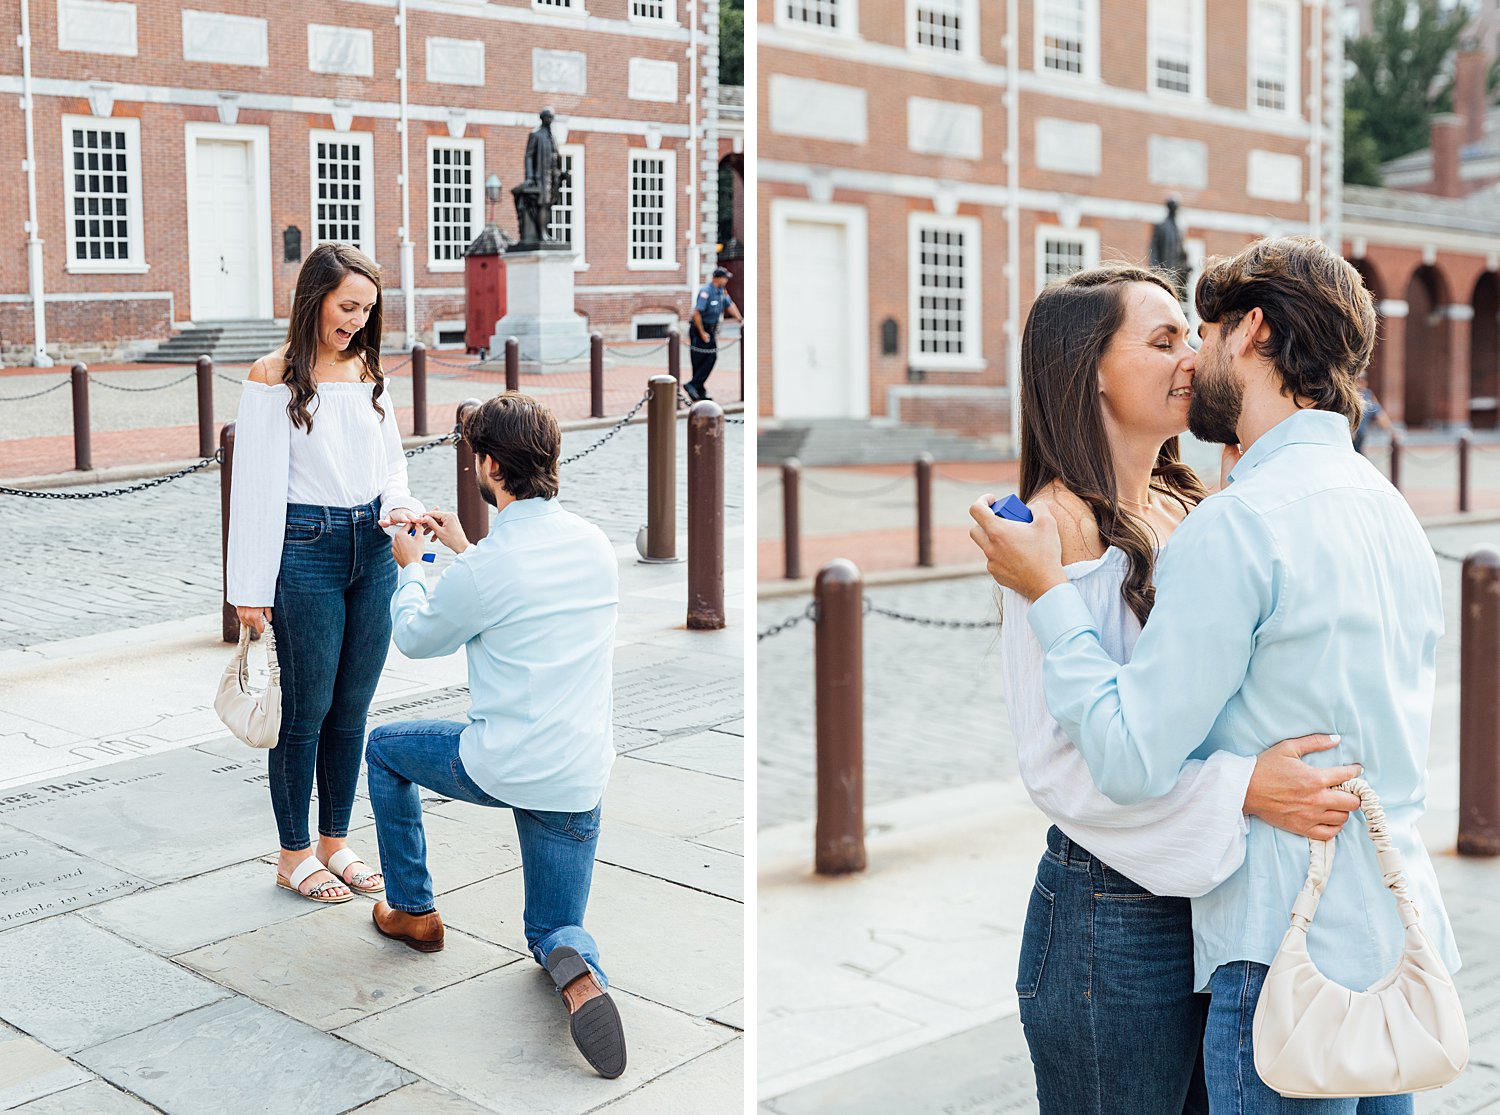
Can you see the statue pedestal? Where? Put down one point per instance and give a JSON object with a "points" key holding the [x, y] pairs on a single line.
{"points": [[539, 307]]}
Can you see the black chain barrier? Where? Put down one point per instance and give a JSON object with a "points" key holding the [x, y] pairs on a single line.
{"points": [[871, 608], [631, 354], [469, 365], [35, 394], [618, 426], [137, 390], [217, 458], [810, 612], [807, 481], [446, 439]]}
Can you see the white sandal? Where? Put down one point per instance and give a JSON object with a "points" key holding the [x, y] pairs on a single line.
{"points": [[311, 866], [345, 858]]}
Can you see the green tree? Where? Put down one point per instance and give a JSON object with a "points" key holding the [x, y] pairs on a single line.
{"points": [[1401, 74], [732, 42]]}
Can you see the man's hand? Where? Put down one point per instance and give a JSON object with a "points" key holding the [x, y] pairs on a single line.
{"points": [[445, 527], [1296, 796], [398, 516], [406, 546], [254, 617], [1026, 557]]}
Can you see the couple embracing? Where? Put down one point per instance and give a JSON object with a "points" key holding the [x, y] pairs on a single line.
{"points": [[1159, 641], [326, 543]]}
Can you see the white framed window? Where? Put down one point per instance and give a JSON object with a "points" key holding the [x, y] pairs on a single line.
{"points": [[945, 26], [943, 286], [343, 209], [653, 11], [1176, 38], [839, 17], [1067, 38], [568, 214], [560, 7], [1062, 251], [450, 334], [1274, 59], [653, 211], [102, 194], [652, 327], [454, 199]]}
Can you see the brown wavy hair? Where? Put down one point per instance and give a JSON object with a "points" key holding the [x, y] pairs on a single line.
{"points": [[523, 439], [325, 268], [1321, 315], [1068, 331]]}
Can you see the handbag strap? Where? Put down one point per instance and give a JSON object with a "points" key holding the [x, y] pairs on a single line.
{"points": [[242, 657], [1392, 867]]}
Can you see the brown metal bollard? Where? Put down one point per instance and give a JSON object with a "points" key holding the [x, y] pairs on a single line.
{"points": [[705, 495], [419, 390], [674, 355], [226, 482], [1395, 460], [596, 375], [791, 516], [205, 406], [1479, 706], [512, 364], [83, 452], [840, 708], [924, 509], [1465, 447], [473, 512], [661, 470]]}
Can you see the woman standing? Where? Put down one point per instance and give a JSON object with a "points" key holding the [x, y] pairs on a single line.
{"points": [[318, 472]]}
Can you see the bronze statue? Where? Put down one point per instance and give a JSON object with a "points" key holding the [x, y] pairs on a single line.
{"points": [[542, 187], [1168, 252]]}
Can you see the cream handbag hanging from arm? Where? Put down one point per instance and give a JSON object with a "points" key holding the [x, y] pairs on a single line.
{"points": [[253, 718], [1316, 1038]]}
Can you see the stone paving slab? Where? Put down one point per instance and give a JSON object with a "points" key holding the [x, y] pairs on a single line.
{"points": [[239, 1058], [505, 1035], [714, 1082], [677, 861], [732, 1015], [671, 801], [715, 752], [422, 1098], [673, 946], [38, 879], [457, 855], [94, 1098], [332, 968], [179, 917], [730, 838], [73, 985], [28, 1070], [675, 694]]}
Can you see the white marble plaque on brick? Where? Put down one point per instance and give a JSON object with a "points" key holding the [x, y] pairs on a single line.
{"points": [[1067, 145], [943, 128], [1178, 162], [818, 109], [340, 50], [1274, 177], [653, 80], [455, 61], [559, 71], [231, 40], [96, 27]]}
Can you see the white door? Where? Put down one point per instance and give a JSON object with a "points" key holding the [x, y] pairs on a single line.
{"points": [[225, 282], [815, 375]]}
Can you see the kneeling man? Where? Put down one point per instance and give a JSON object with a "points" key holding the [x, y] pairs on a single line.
{"points": [[535, 605]]}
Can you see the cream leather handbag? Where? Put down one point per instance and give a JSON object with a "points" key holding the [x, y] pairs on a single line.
{"points": [[253, 718], [1316, 1038]]}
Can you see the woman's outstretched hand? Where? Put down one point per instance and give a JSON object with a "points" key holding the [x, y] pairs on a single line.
{"points": [[1296, 796], [444, 526], [254, 617]]}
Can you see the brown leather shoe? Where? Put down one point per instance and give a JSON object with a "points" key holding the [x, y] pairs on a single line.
{"points": [[423, 933]]}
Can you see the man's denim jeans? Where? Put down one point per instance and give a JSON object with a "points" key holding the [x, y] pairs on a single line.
{"points": [[557, 849], [1230, 1058], [333, 628], [1106, 990]]}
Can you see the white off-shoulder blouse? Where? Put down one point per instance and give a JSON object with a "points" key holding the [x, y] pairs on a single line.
{"points": [[1184, 843], [350, 457]]}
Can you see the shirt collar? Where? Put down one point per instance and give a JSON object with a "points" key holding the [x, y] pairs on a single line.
{"points": [[1312, 427], [527, 509]]}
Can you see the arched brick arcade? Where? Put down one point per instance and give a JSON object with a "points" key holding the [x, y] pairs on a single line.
{"points": [[1425, 393], [1484, 348], [1377, 292]]}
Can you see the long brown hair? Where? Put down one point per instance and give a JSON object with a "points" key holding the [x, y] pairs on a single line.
{"points": [[325, 268], [1068, 331]]}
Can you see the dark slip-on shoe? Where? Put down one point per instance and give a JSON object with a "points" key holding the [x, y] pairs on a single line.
{"points": [[423, 932], [595, 1025]]}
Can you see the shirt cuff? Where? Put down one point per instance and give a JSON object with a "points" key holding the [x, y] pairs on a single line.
{"points": [[1060, 611], [411, 574]]}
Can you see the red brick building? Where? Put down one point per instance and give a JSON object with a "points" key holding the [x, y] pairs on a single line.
{"points": [[187, 156], [927, 165]]}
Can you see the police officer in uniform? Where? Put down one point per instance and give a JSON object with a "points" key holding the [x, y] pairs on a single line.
{"points": [[712, 304]]}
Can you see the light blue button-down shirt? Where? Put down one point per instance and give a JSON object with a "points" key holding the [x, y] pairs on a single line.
{"points": [[1303, 598], [535, 604]]}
